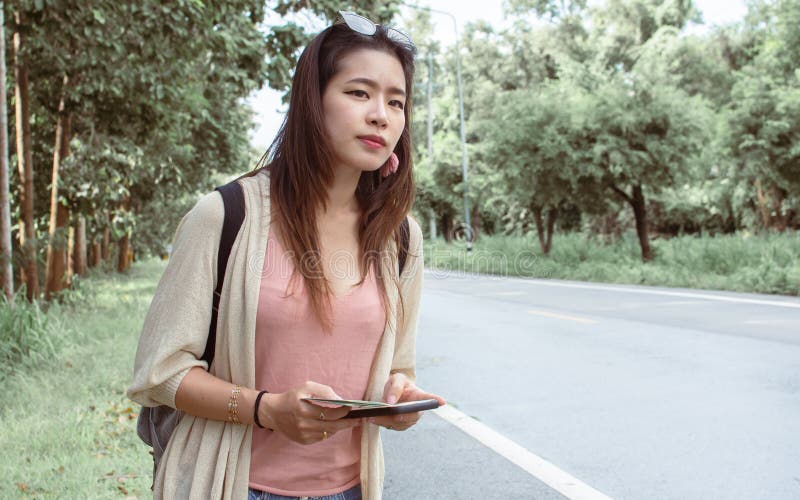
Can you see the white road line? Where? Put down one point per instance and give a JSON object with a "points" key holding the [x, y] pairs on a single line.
{"points": [[777, 321], [691, 295], [538, 467], [791, 303], [500, 294], [563, 316], [648, 305]]}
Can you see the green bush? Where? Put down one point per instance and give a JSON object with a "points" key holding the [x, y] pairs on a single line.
{"points": [[740, 262], [28, 334], [32, 333]]}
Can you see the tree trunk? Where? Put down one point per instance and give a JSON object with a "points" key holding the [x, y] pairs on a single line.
{"points": [[432, 223], [477, 222], [27, 236], [56, 256], [763, 209], [123, 257], [447, 228], [552, 213], [780, 221], [5, 202], [96, 256], [90, 254], [56, 272], [105, 249], [537, 217], [545, 234], [640, 212], [70, 256], [80, 247], [636, 201], [731, 221]]}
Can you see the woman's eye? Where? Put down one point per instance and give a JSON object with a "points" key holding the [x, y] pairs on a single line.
{"points": [[398, 104], [358, 93]]}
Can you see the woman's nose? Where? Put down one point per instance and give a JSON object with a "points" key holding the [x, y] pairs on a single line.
{"points": [[377, 115]]}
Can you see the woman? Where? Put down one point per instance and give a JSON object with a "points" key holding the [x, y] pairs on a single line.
{"points": [[312, 304]]}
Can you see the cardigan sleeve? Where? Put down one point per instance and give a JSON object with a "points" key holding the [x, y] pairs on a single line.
{"points": [[175, 330], [404, 360]]}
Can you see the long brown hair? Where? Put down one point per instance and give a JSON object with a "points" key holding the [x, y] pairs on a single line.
{"points": [[300, 163]]}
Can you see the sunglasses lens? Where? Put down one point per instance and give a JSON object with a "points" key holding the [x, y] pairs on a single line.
{"points": [[399, 37], [359, 24]]}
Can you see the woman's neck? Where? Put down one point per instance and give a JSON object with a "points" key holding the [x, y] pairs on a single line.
{"points": [[342, 194]]}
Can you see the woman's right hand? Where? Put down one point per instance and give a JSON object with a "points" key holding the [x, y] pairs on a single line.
{"points": [[301, 421]]}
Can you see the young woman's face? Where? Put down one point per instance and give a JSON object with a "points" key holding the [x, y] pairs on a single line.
{"points": [[363, 108]]}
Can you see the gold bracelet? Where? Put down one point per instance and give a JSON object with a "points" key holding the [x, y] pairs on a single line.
{"points": [[233, 405]]}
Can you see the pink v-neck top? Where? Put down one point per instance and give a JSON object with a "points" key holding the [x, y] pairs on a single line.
{"points": [[291, 348]]}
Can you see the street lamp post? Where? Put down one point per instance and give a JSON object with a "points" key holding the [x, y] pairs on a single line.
{"points": [[468, 225]]}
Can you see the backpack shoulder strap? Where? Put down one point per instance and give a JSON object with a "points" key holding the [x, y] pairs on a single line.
{"points": [[233, 200], [402, 252]]}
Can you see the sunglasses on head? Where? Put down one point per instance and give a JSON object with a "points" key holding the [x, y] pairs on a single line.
{"points": [[361, 24]]}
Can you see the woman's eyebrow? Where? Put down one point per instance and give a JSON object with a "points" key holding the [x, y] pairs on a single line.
{"points": [[373, 84]]}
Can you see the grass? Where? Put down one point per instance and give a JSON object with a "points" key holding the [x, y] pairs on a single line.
{"points": [[29, 335], [764, 264], [67, 429]]}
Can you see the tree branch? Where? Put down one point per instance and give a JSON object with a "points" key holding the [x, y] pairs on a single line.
{"points": [[625, 196]]}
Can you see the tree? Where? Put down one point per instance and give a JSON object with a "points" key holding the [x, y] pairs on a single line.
{"points": [[645, 133], [763, 129], [118, 86], [145, 99], [535, 154], [5, 205], [27, 233]]}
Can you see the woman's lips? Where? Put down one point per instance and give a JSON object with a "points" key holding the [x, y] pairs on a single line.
{"points": [[370, 144]]}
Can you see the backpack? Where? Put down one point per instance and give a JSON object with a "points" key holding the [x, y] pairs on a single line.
{"points": [[155, 424]]}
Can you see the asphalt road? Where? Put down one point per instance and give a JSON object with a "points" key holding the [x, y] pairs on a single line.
{"points": [[639, 392]]}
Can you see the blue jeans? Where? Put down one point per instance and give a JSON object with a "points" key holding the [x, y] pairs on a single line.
{"points": [[353, 493]]}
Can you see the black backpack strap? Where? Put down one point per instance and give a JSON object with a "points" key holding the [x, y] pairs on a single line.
{"points": [[402, 252], [233, 199]]}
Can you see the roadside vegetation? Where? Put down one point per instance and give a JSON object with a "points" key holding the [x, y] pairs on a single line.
{"points": [[766, 264], [67, 430]]}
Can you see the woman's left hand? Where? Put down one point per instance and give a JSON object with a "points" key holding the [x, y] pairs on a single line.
{"points": [[399, 389]]}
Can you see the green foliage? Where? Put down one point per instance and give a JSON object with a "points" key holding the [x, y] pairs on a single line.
{"points": [[154, 94], [609, 101], [622, 27], [646, 131], [740, 262], [765, 127], [549, 8]]}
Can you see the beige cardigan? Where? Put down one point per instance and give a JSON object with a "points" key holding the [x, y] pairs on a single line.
{"points": [[208, 459]]}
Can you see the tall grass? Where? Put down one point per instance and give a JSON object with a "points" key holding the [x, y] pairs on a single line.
{"points": [[763, 264], [29, 335]]}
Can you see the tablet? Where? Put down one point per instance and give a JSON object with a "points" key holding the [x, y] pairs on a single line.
{"points": [[361, 409], [396, 409]]}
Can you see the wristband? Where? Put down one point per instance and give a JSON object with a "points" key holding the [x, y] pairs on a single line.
{"points": [[255, 409]]}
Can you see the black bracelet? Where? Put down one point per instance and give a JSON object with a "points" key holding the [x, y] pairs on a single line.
{"points": [[255, 409]]}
